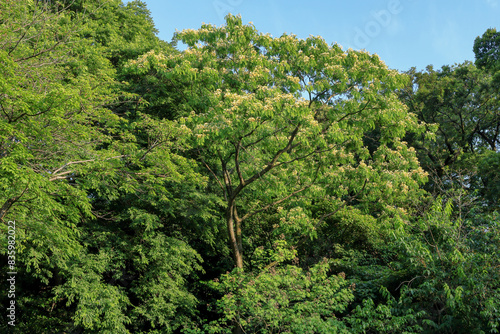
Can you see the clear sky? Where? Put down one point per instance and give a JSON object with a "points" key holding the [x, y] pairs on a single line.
{"points": [[404, 33]]}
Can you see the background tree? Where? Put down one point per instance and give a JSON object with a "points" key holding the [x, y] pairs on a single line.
{"points": [[450, 269], [487, 50], [461, 103], [92, 255], [446, 260]]}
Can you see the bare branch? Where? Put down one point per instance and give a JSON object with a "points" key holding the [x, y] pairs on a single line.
{"points": [[56, 172], [61, 176], [71, 163]]}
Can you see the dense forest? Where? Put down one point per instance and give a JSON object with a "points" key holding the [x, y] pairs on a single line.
{"points": [[242, 183]]}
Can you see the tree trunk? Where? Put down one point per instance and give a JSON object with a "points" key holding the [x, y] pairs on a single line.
{"points": [[234, 231]]}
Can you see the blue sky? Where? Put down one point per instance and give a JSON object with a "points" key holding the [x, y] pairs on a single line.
{"points": [[404, 33]]}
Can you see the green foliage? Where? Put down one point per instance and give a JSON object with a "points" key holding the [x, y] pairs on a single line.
{"points": [[120, 31], [389, 317], [445, 267], [452, 270], [52, 127], [488, 168], [92, 258], [487, 50], [138, 175], [280, 122], [283, 300], [461, 103]]}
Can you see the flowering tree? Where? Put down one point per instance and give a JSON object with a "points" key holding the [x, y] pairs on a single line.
{"points": [[281, 120]]}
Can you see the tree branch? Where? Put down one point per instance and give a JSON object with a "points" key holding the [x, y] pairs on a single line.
{"points": [[216, 178], [281, 200], [271, 164], [237, 163], [354, 113], [261, 139], [56, 175], [70, 163], [8, 204], [60, 176]]}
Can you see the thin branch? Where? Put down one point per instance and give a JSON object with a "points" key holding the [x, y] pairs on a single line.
{"points": [[8, 203], [354, 113], [409, 282], [39, 53], [281, 200], [237, 163], [56, 172], [301, 157], [216, 178], [252, 132], [33, 115], [61, 176], [150, 149], [264, 137], [5, 112], [71, 163], [227, 178]]}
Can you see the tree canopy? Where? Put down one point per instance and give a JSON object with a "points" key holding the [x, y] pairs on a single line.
{"points": [[245, 184]]}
